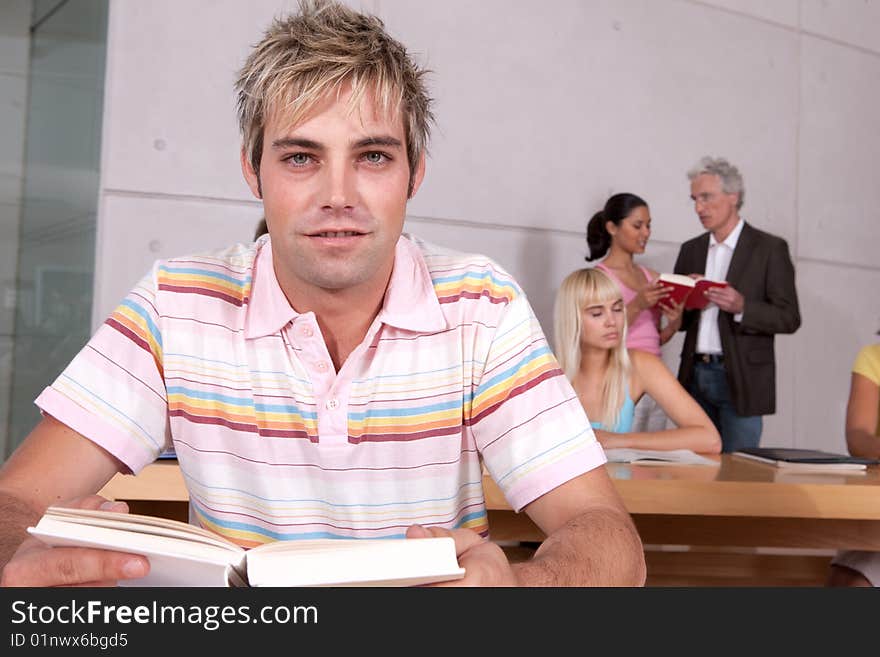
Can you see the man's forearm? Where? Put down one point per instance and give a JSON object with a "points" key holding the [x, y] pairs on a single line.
{"points": [[15, 517], [598, 548]]}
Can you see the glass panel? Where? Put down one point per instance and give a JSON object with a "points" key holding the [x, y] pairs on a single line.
{"points": [[59, 203]]}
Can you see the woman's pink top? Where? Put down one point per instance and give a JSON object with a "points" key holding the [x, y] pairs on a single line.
{"points": [[642, 334]]}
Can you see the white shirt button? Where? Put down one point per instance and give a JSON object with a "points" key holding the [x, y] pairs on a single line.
{"points": [[306, 331], [322, 366], [331, 404]]}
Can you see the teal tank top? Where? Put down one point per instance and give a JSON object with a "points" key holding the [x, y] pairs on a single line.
{"points": [[624, 420]]}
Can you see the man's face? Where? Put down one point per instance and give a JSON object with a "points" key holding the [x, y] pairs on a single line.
{"points": [[334, 191], [716, 210]]}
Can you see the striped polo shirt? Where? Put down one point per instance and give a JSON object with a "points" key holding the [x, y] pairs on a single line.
{"points": [[207, 355]]}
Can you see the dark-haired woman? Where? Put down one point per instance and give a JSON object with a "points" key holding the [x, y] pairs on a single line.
{"points": [[617, 233]]}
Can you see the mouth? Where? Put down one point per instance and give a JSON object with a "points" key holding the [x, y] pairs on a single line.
{"points": [[336, 237], [335, 234]]}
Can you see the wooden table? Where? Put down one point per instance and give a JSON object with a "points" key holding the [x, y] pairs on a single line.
{"points": [[736, 503]]}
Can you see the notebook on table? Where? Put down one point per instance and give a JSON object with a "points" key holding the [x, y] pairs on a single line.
{"points": [[805, 459]]}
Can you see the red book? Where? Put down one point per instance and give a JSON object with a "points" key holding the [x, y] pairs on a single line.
{"points": [[689, 289]]}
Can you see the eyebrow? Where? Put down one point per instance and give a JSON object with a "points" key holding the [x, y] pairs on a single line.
{"points": [[382, 140], [309, 144], [296, 142], [600, 306]]}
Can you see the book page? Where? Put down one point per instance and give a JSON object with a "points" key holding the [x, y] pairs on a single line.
{"points": [[657, 457], [354, 562], [173, 561], [140, 524]]}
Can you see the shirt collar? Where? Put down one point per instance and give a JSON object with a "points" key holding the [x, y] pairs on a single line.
{"points": [[731, 240], [410, 301]]}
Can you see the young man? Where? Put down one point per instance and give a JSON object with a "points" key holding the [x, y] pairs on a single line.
{"points": [[336, 378], [727, 361]]}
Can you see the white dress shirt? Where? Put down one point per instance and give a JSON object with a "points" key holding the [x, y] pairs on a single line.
{"points": [[717, 263]]}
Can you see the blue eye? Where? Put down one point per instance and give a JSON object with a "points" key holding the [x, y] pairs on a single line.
{"points": [[299, 159], [375, 157]]}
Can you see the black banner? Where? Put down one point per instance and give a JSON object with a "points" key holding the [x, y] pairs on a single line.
{"points": [[112, 621]]}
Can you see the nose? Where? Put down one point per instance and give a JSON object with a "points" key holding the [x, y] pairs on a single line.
{"points": [[339, 188]]}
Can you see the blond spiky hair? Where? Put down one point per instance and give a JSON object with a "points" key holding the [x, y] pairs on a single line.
{"points": [[308, 55]]}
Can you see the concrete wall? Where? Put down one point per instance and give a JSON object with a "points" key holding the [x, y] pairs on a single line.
{"points": [[545, 108]]}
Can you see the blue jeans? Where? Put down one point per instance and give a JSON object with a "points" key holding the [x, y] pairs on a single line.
{"points": [[709, 387]]}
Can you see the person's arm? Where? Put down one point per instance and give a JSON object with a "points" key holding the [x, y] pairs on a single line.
{"points": [[53, 465], [861, 417], [694, 431], [591, 541], [648, 296], [673, 313], [778, 312]]}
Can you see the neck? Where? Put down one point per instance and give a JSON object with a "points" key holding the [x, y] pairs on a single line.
{"points": [[723, 232], [344, 316], [617, 258], [594, 363]]}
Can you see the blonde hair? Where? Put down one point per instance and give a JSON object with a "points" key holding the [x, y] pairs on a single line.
{"points": [[579, 290], [304, 57]]}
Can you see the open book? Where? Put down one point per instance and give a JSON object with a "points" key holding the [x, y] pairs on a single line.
{"points": [[184, 555], [811, 460], [656, 456], [688, 289]]}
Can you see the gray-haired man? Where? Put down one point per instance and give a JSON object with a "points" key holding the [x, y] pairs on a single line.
{"points": [[728, 362]]}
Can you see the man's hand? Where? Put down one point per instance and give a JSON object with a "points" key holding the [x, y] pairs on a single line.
{"points": [[36, 564], [484, 562], [726, 298]]}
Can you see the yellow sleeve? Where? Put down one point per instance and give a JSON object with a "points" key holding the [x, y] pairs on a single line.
{"points": [[868, 363]]}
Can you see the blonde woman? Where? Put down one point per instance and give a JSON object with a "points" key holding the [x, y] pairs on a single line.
{"points": [[590, 332]]}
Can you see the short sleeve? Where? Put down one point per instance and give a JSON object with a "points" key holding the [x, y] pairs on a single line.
{"points": [[113, 391], [868, 363], [526, 418]]}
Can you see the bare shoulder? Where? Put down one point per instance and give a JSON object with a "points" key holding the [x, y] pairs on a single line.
{"points": [[642, 360]]}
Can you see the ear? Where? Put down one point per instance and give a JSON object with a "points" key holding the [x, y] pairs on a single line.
{"points": [[250, 176], [610, 228], [418, 176]]}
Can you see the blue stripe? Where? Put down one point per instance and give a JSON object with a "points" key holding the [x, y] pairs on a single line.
{"points": [[509, 372], [242, 403], [142, 313], [477, 277], [202, 272], [307, 500], [145, 433], [404, 412], [546, 451]]}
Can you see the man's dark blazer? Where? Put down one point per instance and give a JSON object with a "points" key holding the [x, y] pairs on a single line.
{"points": [[761, 270]]}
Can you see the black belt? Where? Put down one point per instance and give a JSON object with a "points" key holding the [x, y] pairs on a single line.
{"points": [[710, 358]]}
